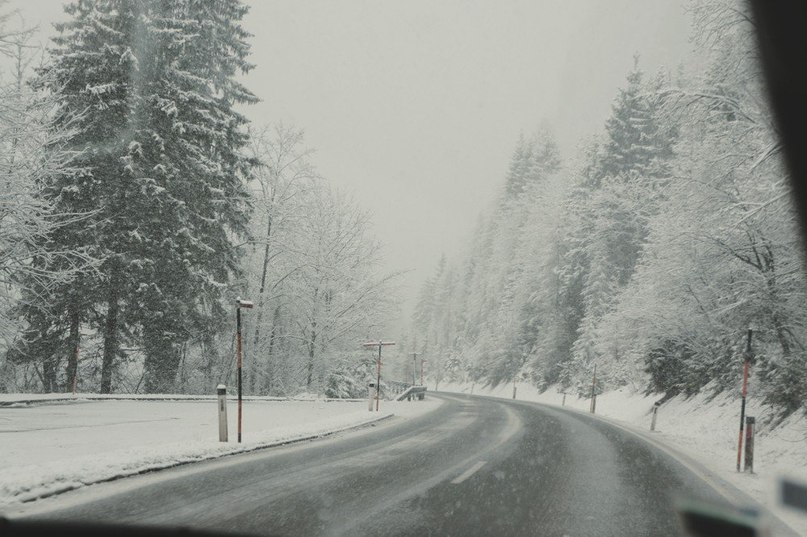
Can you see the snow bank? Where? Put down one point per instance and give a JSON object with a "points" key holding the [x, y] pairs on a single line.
{"points": [[701, 427], [22, 399], [52, 448]]}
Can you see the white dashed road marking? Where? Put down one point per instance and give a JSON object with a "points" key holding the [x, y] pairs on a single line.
{"points": [[468, 473]]}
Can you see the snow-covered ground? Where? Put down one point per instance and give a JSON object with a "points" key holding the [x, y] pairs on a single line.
{"points": [[700, 427], [51, 445], [22, 399]]}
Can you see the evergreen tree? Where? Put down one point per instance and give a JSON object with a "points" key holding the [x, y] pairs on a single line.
{"points": [[619, 192], [90, 77], [533, 160], [636, 142], [187, 154], [160, 147], [37, 269]]}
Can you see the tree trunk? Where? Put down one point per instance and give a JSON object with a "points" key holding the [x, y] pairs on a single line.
{"points": [[251, 361], [264, 270], [110, 333], [261, 291], [163, 356], [765, 260], [270, 354], [312, 346], [781, 336], [211, 356], [312, 340], [182, 382], [74, 340], [49, 373]]}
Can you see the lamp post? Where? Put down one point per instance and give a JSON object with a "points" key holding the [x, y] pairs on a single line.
{"points": [[238, 349]]}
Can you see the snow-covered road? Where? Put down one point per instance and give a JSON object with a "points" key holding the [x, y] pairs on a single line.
{"points": [[475, 466], [702, 427], [54, 446]]}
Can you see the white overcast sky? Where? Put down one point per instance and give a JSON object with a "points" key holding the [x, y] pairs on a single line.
{"points": [[414, 106]]}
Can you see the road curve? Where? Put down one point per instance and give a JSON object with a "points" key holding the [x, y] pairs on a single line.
{"points": [[474, 466]]}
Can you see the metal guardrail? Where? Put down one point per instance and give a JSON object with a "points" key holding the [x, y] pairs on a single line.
{"points": [[398, 391], [394, 387], [413, 392]]}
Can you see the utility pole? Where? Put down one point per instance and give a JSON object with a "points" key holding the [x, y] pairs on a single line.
{"points": [[746, 366], [379, 344], [414, 356], [238, 349]]}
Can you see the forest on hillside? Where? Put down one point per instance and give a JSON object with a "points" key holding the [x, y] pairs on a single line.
{"points": [[648, 256], [138, 202]]}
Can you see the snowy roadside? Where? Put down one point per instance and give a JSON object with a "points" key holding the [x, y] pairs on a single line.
{"points": [[702, 428], [51, 448], [23, 399]]}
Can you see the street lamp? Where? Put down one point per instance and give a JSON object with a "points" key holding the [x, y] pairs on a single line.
{"points": [[238, 305]]}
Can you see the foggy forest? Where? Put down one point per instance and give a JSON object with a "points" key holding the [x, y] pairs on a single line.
{"points": [[138, 202]]}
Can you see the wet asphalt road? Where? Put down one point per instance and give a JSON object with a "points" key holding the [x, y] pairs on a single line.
{"points": [[474, 466]]}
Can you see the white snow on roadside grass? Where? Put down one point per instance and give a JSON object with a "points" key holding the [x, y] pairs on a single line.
{"points": [[23, 399], [700, 427], [46, 449]]}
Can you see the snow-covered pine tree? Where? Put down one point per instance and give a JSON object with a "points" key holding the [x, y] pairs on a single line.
{"points": [[186, 155], [619, 188], [637, 140], [161, 145], [88, 78], [534, 158], [34, 267]]}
